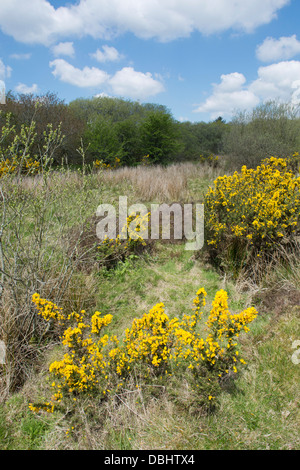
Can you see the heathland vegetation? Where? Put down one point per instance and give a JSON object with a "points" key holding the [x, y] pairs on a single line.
{"points": [[138, 343]]}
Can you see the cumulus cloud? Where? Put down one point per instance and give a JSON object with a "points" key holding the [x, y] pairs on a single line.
{"points": [[108, 54], [273, 50], [277, 81], [229, 95], [136, 85], [64, 48], [162, 19], [126, 82], [26, 90], [29, 24], [87, 77], [274, 82]]}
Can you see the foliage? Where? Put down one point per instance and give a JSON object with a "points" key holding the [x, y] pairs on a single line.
{"points": [[252, 213], [270, 129], [101, 165], [18, 157], [212, 160], [37, 251], [131, 240], [103, 140], [129, 130], [258, 410], [159, 138], [44, 110], [98, 364], [201, 138], [114, 127]]}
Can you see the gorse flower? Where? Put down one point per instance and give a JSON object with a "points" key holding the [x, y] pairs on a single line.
{"points": [[155, 344], [100, 164], [11, 166], [47, 309], [253, 211]]}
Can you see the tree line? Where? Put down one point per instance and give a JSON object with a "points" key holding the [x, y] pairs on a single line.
{"points": [[111, 128], [116, 128]]}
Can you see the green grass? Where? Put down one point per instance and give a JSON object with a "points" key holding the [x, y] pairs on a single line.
{"points": [[259, 409], [19, 428]]}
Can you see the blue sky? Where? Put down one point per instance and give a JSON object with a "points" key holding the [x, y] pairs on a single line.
{"points": [[199, 58]]}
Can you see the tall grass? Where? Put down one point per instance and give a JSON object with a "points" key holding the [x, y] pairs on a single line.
{"points": [[161, 183]]}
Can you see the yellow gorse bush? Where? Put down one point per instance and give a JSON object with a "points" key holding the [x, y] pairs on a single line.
{"points": [[211, 159], [254, 210], [100, 164], [11, 166], [132, 239], [155, 344]]}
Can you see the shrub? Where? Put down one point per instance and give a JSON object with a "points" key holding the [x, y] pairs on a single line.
{"points": [[271, 128], [44, 110], [155, 346], [37, 253], [101, 165], [18, 157], [248, 215], [211, 159], [112, 250]]}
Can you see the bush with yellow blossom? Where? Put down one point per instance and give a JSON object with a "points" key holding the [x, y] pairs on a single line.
{"points": [[154, 347], [252, 212], [100, 164], [133, 239], [17, 157]]}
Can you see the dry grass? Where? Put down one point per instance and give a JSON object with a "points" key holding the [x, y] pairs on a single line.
{"points": [[176, 182], [161, 184]]}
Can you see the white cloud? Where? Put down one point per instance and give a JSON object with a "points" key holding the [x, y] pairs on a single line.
{"points": [[126, 82], [108, 54], [273, 50], [229, 95], [5, 70], [26, 90], [29, 24], [231, 82], [136, 85], [64, 48], [102, 95], [20, 56], [296, 92], [279, 81], [162, 19], [276, 80], [87, 77]]}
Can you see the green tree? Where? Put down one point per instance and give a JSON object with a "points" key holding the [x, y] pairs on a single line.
{"points": [[50, 110], [201, 138], [102, 137], [270, 129], [159, 137], [130, 141]]}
